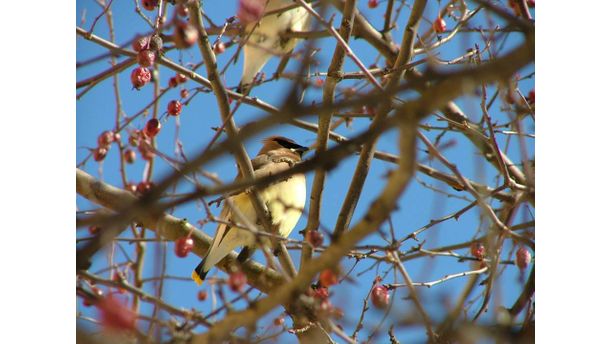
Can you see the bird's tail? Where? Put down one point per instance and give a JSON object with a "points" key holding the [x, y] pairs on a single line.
{"points": [[199, 275]]}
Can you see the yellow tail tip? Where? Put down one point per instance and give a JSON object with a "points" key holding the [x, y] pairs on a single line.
{"points": [[196, 278]]}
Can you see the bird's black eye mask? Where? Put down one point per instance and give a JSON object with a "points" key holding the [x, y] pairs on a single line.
{"points": [[291, 145]]}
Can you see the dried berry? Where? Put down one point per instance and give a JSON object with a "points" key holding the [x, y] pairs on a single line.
{"points": [[146, 58], [185, 35], [140, 76]]}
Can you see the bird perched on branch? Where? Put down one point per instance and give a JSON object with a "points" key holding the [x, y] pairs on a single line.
{"points": [[284, 200], [263, 33]]}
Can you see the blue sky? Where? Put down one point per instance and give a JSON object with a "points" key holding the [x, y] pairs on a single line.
{"points": [[96, 113]]}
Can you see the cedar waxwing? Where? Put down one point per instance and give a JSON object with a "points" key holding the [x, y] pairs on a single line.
{"points": [[265, 40], [284, 199]]}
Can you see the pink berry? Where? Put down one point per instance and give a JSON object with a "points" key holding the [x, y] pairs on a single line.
{"points": [[219, 48], [380, 296], [315, 238], [237, 280], [523, 258], [250, 11], [182, 246], [115, 315], [477, 250]]}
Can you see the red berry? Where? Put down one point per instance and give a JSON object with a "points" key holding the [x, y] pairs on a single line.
{"points": [[531, 3], [96, 291], [152, 128], [531, 97], [202, 295], [93, 230], [321, 293], [106, 138], [150, 5], [185, 35], [140, 43], [237, 280], [523, 258], [250, 11], [146, 58], [131, 187], [134, 138], [219, 48], [175, 107], [117, 137], [129, 156], [115, 315], [328, 278], [184, 93], [319, 82], [515, 7], [315, 238], [372, 3], [144, 147], [181, 78], [118, 277], [280, 321], [380, 296], [100, 153], [143, 187], [182, 246], [140, 77], [477, 250], [172, 83], [439, 25], [182, 10]]}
